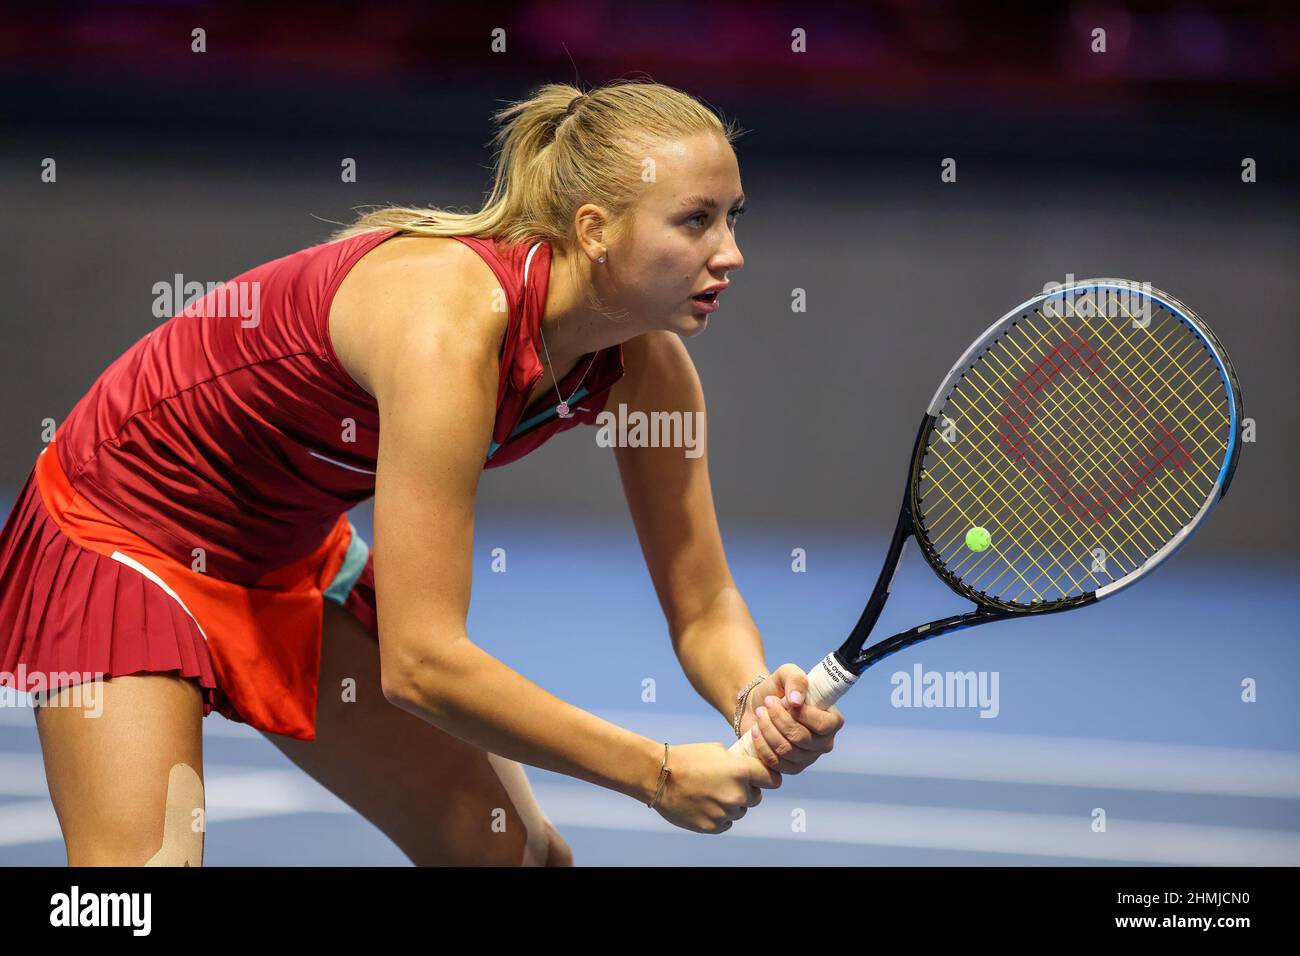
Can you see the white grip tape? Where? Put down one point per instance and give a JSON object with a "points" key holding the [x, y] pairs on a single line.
{"points": [[827, 683]]}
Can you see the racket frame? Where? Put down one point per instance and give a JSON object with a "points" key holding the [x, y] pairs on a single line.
{"points": [[834, 674], [853, 657]]}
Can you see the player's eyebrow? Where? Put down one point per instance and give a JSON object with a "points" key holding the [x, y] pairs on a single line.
{"points": [[708, 202]]}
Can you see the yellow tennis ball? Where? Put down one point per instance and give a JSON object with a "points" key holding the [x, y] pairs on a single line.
{"points": [[977, 539]]}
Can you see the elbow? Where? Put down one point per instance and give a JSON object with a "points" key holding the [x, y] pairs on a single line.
{"points": [[399, 686], [415, 682], [406, 688]]}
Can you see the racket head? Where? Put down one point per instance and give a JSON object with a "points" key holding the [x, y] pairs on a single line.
{"points": [[1081, 440]]}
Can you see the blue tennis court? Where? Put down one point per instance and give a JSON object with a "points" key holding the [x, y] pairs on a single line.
{"points": [[1132, 708]]}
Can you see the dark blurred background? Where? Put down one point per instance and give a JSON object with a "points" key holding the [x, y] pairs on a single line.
{"points": [[1126, 163]]}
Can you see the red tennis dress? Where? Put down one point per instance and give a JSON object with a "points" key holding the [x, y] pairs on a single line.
{"points": [[189, 516]]}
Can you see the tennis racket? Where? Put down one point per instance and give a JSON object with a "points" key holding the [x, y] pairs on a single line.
{"points": [[1070, 451]]}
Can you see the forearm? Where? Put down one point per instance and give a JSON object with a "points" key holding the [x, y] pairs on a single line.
{"points": [[721, 651], [470, 694]]}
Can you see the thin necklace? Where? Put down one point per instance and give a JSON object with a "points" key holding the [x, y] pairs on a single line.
{"points": [[562, 409]]}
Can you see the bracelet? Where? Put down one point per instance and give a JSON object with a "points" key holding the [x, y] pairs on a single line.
{"points": [[664, 774], [741, 699]]}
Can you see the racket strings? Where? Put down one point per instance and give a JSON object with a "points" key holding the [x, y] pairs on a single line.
{"points": [[1094, 492], [1039, 514], [1139, 523], [973, 570], [1190, 347], [1173, 366], [1077, 412], [1073, 434]]}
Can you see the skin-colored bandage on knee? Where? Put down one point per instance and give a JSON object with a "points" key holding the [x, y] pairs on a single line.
{"points": [[183, 830], [512, 777]]}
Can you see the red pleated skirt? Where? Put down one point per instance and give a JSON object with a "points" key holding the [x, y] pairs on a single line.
{"points": [[81, 598], [56, 597]]}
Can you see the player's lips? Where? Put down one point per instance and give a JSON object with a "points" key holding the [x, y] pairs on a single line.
{"points": [[705, 303], [707, 299]]}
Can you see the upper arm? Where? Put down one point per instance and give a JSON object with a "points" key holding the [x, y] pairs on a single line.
{"points": [[434, 370], [669, 494]]}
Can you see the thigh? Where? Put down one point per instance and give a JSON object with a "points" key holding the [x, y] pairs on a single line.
{"points": [[441, 800], [124, 762]]}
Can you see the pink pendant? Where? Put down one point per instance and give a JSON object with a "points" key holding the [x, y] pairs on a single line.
{"points": [[562, 410]]}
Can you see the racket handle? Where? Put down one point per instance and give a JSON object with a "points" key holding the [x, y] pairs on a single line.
{"points": [[827, 683]]}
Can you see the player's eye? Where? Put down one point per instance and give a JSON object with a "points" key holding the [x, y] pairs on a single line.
{"points": [[733, 215]]}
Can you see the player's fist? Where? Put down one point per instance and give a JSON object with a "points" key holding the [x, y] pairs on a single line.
{"points": [[786, 731]]}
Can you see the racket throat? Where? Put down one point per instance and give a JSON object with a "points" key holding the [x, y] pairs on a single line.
{"points": [[924, 632], [850, 652]]}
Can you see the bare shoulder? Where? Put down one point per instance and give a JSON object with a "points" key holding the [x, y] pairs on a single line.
{"points": [[408, 292]]}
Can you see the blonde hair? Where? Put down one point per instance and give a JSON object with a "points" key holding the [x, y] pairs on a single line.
{"points": [[555, 151]]}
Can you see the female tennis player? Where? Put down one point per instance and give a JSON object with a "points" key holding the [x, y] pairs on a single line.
{"points": [[181, 545]]}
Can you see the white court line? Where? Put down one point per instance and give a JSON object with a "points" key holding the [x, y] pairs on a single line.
{"points": [[947, 828], [237, 793], [232, 793], [229, 787], [969, 755], [1022, 758], [22, 775], [32, 821]]}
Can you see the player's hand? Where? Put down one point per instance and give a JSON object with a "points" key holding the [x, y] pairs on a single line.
{"points": [[710, 789], [792, 733]]}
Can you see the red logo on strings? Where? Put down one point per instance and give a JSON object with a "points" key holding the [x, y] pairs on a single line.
{"points": [[1083, 430]]}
